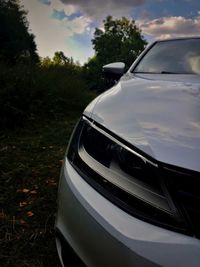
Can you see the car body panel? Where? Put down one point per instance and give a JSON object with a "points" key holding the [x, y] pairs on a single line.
{"points": [[104, 235], [159, 114]]}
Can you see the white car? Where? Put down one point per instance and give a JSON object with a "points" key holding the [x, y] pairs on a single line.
{"points": [[129, 191]]}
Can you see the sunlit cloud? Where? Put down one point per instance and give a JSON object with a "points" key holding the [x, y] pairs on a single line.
{"points": [[60, 15], [69, 25], [167, 27], [57, 34], [100, 9]]}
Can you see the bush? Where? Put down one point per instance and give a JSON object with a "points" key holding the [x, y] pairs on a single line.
{"points": [[30, 91]]}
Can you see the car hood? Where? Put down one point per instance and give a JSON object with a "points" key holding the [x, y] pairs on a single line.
{"points": [[160, 117]]}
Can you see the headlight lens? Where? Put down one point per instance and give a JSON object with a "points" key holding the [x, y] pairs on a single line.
{"points": [[129, 179]]}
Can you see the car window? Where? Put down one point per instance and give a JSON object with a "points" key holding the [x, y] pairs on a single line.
{"points": [[175, 56]]}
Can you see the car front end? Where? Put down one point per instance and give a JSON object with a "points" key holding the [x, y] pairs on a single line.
{"points": [[129, 192]]}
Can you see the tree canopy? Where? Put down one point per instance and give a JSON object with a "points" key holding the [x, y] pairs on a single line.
{"points": [[60, 58], [120, 40], [16, 42]]}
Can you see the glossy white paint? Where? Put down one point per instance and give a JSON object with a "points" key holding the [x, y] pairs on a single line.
{"points": [[159, 114], [116, 67], [104, 235]]}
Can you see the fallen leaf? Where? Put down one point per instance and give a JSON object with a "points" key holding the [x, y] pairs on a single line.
{"points": [[29, 213], [51, 182], [23, 204], [21, 221], [25, 190]]}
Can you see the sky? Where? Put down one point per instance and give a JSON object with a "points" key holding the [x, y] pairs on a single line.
{"points": [[69, 25]]}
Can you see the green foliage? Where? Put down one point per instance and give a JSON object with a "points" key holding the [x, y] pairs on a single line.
{"points": [[16, 42], [46, 61], [120, 40], [60, 59], [93, 74], [40, 90]]}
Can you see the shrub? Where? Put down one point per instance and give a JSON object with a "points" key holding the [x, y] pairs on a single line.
{"points": [[36, 90]]}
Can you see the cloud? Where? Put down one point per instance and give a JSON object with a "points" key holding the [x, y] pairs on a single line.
{"points": [[58, 34], [60, 15], [45, 2], [173, 26], [78, 25], [99, 9], [74, 15], [54, 5]]}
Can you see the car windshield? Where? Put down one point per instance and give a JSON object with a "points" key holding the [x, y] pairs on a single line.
{"points": [[172, 57]]}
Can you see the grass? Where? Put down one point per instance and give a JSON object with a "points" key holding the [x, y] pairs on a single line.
{"points": [[30, 163]]}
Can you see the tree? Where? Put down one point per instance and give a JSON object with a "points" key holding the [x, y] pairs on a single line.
{"points": [[60, 58], [93, 73], [16, 42], [120, 40], [45, 62]]}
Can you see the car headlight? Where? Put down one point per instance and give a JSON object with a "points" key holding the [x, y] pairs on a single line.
{"points": [[122, 174]]}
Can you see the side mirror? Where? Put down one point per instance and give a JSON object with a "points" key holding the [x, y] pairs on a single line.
{"points": [[114, 70]]}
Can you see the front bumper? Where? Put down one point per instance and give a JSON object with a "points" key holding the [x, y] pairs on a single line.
{"points": [[102, 234]]}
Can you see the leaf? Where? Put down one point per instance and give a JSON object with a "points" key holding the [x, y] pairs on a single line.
{"points": [[23, 204], [21, 221], [33, 192], [24, 190], [51, 182], [30, 213]]}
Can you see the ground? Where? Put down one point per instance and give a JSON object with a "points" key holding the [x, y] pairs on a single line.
{"points": [[31, 158]]}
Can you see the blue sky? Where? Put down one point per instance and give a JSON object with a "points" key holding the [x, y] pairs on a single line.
{"points": [[68, 25]]}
